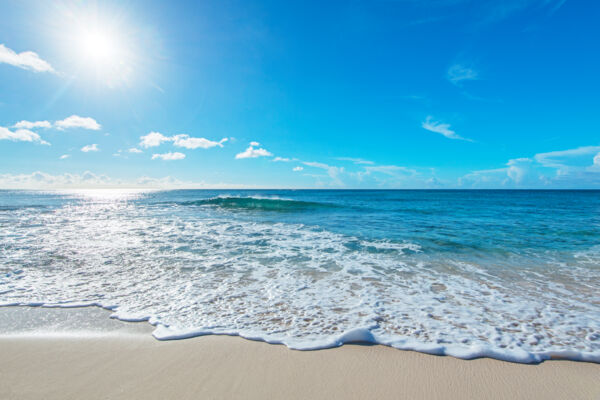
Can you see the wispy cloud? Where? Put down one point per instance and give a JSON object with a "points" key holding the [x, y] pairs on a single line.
{"points": [[297, 169], [441, 128], [21, 135], [556, 159], [90, 147], [390, 169], [459, 73], [169, 156], [252, 152], [75, 121], [333, 171], [134, 150], [26, 60], [358, 161]]}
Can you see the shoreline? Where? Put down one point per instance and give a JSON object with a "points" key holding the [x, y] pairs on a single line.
{"points": [[122, 361]]}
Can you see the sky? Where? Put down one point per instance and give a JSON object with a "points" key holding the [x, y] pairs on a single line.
{"points": [[284, 94]]}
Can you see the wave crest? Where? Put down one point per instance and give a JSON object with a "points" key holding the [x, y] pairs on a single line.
{"points": [[259, 204]]}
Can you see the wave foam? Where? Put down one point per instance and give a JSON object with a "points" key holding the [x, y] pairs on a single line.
{"points": [[301, 286]]}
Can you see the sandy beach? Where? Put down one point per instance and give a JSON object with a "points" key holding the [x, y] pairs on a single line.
{"points": [[123, 361]]}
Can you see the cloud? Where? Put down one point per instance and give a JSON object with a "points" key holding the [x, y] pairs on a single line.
{"points": [[25, 60], [355, 160], [90, 147], [21, 135], [251, 152], [458, 73], [332, 171], [32, 125], [441, 128], [571, 168], [134, 150], [297, 169], [556, 159], [282, 159], [193, 143], [169, 156], [392, 170], [75, 121], [43, 180], [64, 156], [153, 139]]}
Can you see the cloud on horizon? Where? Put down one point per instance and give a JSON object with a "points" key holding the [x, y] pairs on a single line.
{"points": [[571, 168]]}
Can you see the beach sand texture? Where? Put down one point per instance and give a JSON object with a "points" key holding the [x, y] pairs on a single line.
{"points": [[137, 366]]}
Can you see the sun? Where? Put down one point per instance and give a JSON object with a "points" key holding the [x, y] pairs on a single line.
{"points": [[99, 47], [103, 51]]}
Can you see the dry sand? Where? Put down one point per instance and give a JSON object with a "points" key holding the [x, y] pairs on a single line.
{"points": [[81, 354], [218, 367]]}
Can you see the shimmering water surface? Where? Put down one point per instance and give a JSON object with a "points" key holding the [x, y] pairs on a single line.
{"points": [[507, 274]]}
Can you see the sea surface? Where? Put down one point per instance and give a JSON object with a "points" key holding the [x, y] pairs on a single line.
{"points": [[513, 275]]}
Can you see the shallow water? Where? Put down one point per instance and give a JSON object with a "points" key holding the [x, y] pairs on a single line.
{"points": [[507, 274]]}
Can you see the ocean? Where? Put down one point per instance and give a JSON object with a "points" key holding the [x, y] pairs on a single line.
{"points": [[512, 275]]}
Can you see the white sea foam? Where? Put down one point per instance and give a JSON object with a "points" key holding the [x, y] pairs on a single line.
{"points": [[305, 287]]}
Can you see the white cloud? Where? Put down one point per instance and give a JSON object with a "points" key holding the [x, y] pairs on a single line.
{"points": [[251, 152], [90, 180], [193, 143], [169, 156], [282, 159], [25, 60], [572, 168], [441, 128], [297, 169], [153, 139], [75, 121], [64, 156], [458, 73], [32, 125], [134, 150], [90, 147], [21, 135], [556, 159]]}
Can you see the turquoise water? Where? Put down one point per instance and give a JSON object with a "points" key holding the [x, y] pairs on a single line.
{"points": [[506, 274]]}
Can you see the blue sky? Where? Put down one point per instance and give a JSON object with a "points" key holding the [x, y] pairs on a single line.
{"points": [[353, 94]]}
